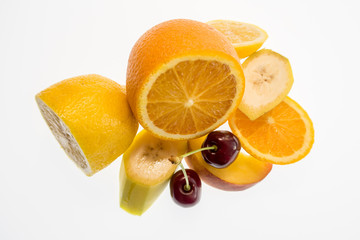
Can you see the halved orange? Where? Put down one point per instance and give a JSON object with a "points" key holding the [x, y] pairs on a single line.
{"points": [[247, 38], [281, 136], [183, 80]]}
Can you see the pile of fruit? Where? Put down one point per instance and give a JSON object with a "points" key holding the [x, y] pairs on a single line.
{"points": [[184, 80]]}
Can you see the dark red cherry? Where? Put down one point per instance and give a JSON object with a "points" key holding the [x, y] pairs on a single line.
{"points": [[182, 196], [227, 148]]}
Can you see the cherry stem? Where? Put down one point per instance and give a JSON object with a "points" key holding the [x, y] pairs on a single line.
{"points": [[187, 186], [213, 147]]}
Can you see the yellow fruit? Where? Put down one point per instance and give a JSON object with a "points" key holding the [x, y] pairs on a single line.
{"points": [[91, 119], [146, 169], [183, 79], [243, 173], [283, 135], [246, 38], [269, 78]]}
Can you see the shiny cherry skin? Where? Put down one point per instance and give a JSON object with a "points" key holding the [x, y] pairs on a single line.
{"points": [[227, 148], [181, 196]]}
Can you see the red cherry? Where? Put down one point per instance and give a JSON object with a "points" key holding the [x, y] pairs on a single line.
{"points": [[180, 194], [227, 147]]}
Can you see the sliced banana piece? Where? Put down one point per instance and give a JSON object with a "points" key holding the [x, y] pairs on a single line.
{"points": [[146, 167], [268, 80]]}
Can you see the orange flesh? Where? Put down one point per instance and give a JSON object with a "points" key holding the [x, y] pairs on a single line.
{"points": [[279, 132], [191, 96]]}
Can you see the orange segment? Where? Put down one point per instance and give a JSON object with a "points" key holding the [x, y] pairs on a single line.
{"points": [[283, 135], [192, 85]]}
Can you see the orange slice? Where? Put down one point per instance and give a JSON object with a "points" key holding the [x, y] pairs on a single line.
{"points": [[246, 38], [184, 79], [281, 136]]}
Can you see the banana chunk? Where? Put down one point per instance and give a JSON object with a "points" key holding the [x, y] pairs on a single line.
{"points": [[147, 165], [268, 80]]}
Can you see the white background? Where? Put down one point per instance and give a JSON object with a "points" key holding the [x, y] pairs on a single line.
{"points": [[44, 196]]}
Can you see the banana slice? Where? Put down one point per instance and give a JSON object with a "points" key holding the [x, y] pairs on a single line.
{"points": [[146, 167], [268, 80]]}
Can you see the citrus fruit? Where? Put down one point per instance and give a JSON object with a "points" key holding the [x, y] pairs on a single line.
{"points": [[183, 79], [246, 38], [281, 136], [91, 119], [268, 79]]}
